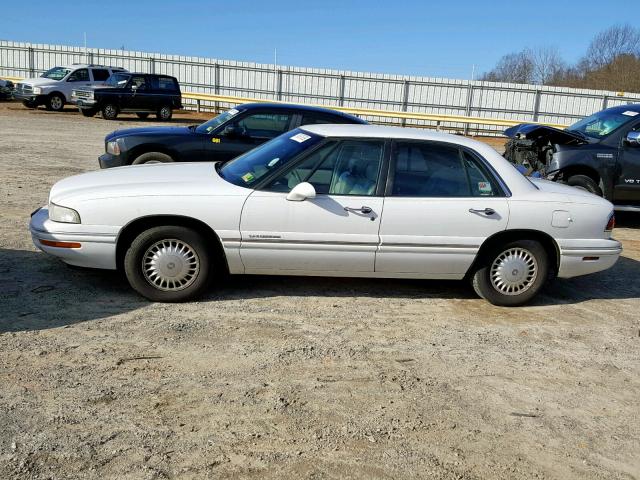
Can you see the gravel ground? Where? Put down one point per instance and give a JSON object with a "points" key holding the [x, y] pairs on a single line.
{"points": [[278, 377]]}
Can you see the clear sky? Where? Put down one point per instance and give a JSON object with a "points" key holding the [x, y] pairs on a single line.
{"points": [[442, 39]]}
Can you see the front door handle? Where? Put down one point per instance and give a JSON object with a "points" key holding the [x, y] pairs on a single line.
{"points": [[363, 209], [486, 211]]}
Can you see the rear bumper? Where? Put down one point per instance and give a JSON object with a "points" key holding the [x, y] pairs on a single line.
{"points": [[97, 243], [588, 256]]}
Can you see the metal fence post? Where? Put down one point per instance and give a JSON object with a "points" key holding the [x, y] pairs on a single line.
{"points": [[216, 85], [605, 101], [32, 67], [469, 106], [342, 87], [536, 105], [279, 85], [152, 65], [90, 58], [405, 100]]}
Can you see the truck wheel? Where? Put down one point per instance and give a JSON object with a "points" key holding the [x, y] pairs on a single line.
{"points": [[55, 102], [584, 182], [29, 104], [152, 157], [109, 111], [142, 115], [88, 112], [164, 113], [512, 274], [168, 264]]}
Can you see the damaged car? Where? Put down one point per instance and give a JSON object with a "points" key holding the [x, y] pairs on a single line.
{"points": [[6, 89], [599, 154]]}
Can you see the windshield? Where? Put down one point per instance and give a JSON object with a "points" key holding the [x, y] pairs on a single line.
{"points": [[256, 164], [56, 73], [601, 124], [215, 122], [118, 80]]}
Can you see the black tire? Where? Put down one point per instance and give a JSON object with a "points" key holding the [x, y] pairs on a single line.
{"points": [[164, 113], [29, 104], [88, 112], [110, 111], [142, 115], [157, 287], [55, 102], [585, 183], [152, 157], [534, 258]]}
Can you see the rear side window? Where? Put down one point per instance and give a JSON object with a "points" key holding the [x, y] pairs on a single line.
{"points": [[81, 75], [320, 118], [264, 125], [165, 83], [100, 74], [139, 81], [437, 170]]}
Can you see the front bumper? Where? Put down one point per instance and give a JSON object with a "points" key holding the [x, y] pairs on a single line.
{"points": [[84, 102], [582, 257], [30, 97], [106, 160], [97, 242]]}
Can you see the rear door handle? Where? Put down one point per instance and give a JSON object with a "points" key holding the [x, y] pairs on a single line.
{"points": [[363, 209], [486, 211]]}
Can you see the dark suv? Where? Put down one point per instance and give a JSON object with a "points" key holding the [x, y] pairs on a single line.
{"points": [[220, 139], [139, 93]]}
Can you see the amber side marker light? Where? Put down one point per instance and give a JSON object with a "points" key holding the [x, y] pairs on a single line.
{"points": [[51, 243]]}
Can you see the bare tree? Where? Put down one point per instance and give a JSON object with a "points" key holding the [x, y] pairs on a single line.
{"points": [[547, 64], [512, 68], [611, 43]]}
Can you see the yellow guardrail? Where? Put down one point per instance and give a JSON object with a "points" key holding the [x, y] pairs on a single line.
{"points": [[432, 117]]}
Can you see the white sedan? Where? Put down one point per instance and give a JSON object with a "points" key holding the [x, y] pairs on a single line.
{"points": [[331, 200]]}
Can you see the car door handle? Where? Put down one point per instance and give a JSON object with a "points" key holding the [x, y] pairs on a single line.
{"points": [[363, 209], [486, 211]]}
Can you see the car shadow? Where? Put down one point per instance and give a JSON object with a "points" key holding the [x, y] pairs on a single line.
{"points": [[38, 292]]}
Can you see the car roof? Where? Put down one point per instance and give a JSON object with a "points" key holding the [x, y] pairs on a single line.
{"points": [[633, 107], [299, 108], [74, 66]]}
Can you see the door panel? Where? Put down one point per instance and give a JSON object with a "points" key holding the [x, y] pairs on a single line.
{"points": [[627, 187], [436, 235], [315, 235]]}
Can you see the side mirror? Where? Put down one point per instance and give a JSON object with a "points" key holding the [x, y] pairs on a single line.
{"points": [[633, 138], [134, 87], [301, 192]]}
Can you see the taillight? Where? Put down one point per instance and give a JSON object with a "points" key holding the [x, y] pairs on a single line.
{"points": [[611, 223]]}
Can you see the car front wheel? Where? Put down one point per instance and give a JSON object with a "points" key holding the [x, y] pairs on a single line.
{"points": [[109, 112], [55, 102], [584, 182], [164, 113], [168, 264], [511, 275]]}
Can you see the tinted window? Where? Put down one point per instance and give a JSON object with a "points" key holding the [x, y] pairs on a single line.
{"points": [[118, 80], [139, 81], [165, 83], [349, 167], [100, 74], [435, 170], [81, 75], [264, 125], [318, 118]]}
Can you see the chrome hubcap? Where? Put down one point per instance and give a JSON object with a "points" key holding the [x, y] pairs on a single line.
{"points": [[110, 110], [56, 103], [164, 113], [170, 265], [514, 271]]}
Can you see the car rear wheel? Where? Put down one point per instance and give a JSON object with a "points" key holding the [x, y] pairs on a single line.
{"points": [[88, 112], [109, 112], [583, 182], [512, 274], [152, 157], [142, 115], [55, 102], [168, 264], [29, 104], [164, 113]]}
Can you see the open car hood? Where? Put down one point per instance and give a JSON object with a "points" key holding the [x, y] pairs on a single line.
{"points": [[532, 131]]}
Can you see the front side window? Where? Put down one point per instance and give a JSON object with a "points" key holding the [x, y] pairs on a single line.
{"points": [[100, 74], [56, 73], [263, 125], [139, 82], [118, 80], [347, 167], [81, 75], [436, 170]]}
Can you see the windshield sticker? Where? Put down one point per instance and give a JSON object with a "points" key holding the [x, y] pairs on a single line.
{"points": [[300, 137], [247, 177], [233, 112], [630, 113]]}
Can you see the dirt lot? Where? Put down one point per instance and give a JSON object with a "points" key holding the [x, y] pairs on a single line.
{"points": [[272, 377]]}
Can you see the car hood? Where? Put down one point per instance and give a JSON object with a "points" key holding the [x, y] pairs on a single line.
{"points": [[39, 81], [150, 132], [533, 131], [164, 179]]}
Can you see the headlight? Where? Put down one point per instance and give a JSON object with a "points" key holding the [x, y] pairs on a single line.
{"points": [[113, 148], [63, 214], [37, 90]]}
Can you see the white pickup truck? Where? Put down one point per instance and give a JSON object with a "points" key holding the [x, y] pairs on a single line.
{"points": [[53, 88]]}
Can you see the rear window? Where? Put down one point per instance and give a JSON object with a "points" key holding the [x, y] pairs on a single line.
{"points": [[166, 83]]}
